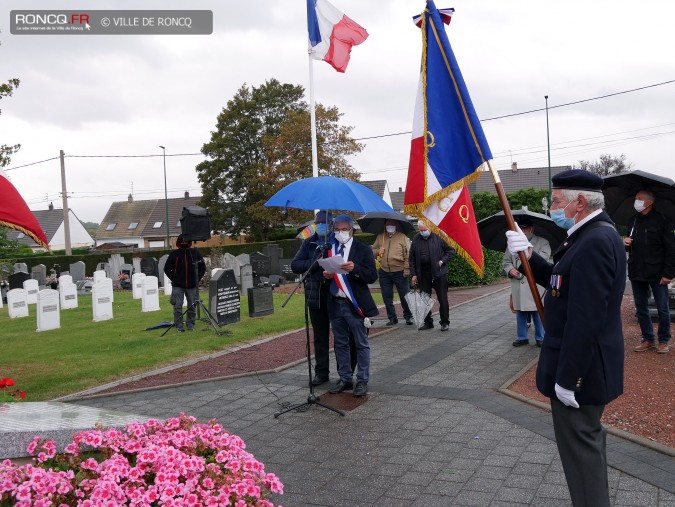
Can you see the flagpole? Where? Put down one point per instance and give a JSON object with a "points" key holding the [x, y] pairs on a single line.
{"points": [[511, 224], [312, 115]]}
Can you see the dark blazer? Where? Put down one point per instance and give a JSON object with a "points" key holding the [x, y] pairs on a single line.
{"points": [[363, 274], [439, 250], [314, 282], [583, 348], [652, 254], [179, 267]]}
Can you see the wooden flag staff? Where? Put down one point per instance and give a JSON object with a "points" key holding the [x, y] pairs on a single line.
{"points": [[511, 224]]}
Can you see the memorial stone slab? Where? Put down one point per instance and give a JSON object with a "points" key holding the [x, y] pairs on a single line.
{"points": [[99, 275], [67, 295], [261, 264], [243, 259], [84, 286], [260, 301], [39, 273], [160, 267], [286, 271], [17, 306], [215, 270], [128, 270], [102, 299], [275, 253], [108, 270], [136, 261], [115, 261], [48, 313], [149, 266], [16, 280], [167, 285], [275, 280], [77, 271], [246, 278], [100, 266], [137, 285], [224, 300], [20, 267], [150, 294], [32, 288], [65, 280]]}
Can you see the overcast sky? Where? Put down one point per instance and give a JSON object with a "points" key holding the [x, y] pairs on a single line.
{"points": [[128, 94]]}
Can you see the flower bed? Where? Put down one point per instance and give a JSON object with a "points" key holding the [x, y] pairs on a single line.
{"points": [[175, 463]]}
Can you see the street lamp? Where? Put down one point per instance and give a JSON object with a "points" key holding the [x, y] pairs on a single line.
{"points": [[548, 144], [166, 201], [544, 205]]}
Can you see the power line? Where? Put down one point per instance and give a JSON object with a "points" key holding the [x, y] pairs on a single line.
{"points": [[32, 163]]}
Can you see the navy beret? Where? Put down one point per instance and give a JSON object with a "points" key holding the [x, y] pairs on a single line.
{"points": [[577, 179]]}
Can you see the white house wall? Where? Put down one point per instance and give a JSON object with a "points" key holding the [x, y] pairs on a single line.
{"points": [[79, 237]]}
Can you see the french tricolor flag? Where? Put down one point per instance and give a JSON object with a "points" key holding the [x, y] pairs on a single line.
{"points": [[332, 34], [15, 214]]}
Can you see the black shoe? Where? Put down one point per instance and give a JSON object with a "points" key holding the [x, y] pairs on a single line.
{"points": [[391, 322], [317, 381], [361, 389], [426, 326], [539, 343], [180, 329], [409, 321], [445, 327], [340, 386], [520, 343]]}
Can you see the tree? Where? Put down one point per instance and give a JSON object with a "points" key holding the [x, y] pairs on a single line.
{"points": [[262, 143], [529, 197], [485, 204], [6, 152], [606, 165]]}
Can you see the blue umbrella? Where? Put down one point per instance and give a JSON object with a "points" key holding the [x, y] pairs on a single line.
{"points": [[328, 192]]}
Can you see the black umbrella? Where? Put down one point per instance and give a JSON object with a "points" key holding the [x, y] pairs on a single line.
{"points": [[492, 230], [620, 190], [373, 222]]}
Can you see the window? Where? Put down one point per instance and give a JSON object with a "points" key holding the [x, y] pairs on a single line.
{"points": [[21, 235], [157, 225], [133, 225], [110, 227]]}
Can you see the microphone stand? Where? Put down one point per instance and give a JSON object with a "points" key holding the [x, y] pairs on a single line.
{"points": [[312, 399]]}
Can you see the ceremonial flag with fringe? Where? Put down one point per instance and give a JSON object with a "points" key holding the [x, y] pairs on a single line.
{"points": [[15, 214], [448, 147]]}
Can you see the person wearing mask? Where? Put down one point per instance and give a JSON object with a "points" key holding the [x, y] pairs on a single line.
{"points": [[651, 265], [184, 267], [580, 366], [351, 305], [392, 248], [429, 257], [521, 295]]}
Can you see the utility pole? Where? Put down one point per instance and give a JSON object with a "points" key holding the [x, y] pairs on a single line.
{"points": [[548, 144], [64, 197]]}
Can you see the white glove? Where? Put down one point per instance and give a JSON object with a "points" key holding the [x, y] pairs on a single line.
{"points": [[518, 242], [566, 396]]}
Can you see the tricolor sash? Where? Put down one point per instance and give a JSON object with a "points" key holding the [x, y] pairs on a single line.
{"points": [[343, 284]]}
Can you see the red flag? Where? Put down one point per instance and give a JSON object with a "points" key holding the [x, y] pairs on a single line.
{"points": [[14, 213]]}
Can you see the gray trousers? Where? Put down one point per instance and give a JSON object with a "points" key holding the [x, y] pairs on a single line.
{"points": [[177, 294], [581, 441]]}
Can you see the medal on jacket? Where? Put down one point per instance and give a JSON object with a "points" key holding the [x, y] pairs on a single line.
{"points": [[556, 282]]}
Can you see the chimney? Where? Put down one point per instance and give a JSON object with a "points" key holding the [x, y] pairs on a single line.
{"points": [[187, 194], [514, 167], [51, 206], [130, 198]]}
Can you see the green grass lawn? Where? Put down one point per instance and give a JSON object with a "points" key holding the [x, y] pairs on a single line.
{"points": [[83, 353]]}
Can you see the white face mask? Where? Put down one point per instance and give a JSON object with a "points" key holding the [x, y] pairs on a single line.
{"points": [[391, 229], [342, 236], [639, 206]]}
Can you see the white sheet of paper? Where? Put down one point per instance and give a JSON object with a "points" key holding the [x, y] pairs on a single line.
{"points": [[332, 264]]}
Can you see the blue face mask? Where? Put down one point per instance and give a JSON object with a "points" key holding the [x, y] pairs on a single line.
{"points": [[321, 230], [425, 234], [558, 216]]}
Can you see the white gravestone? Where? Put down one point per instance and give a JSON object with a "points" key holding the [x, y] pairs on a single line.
{"points": [[65, 280], [150, 294], [102, 300], [167, 285], [48, 314], [99, 275], [215, 270], [17, 306], [137, 285], [67, 294], [32, 287]]}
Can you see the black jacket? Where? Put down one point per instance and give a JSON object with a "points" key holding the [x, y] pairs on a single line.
{"points": [[314, 282], [652, 254], [180, 268], [439, 250], [583, 349]]}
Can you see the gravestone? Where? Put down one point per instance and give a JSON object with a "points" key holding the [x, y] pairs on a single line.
{"points": [[137, 285], [136, 261], [261, 264], [77, 271], [99, 275], [224, 300], [108, 270], [17, 306], [100, 266], [84, 286], [48, 314], [128, 270], [246, 277], [285, 268], [102, 299], [243, 259], [20, 267], [16, 280], [215, 270], [150, 294], [149, 266], [275, 253], [167, 285], [275, 280], [39, 273], [65, 280], [67, 293], [115, 261], [160, 267], [32, 288], [260, 301]]}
